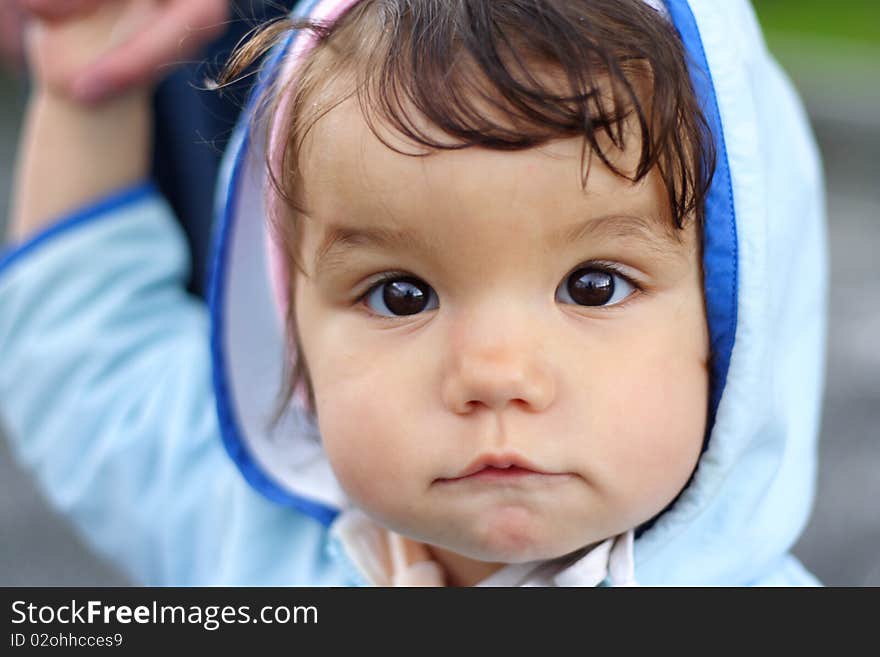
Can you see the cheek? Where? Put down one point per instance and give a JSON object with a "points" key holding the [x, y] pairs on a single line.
{"points": [[357, 400], [651, 430], [362, 417], [353, 422], [344, 403]]}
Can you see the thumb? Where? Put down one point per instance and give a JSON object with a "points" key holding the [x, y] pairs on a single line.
{"points": [[57, 10]]}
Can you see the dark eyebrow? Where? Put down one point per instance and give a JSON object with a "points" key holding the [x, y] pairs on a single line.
{"points": [[340, 240], [649, 232]]}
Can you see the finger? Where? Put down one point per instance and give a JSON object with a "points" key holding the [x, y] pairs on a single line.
{"points": [[179, 30], [56, 10], [11, 26]]}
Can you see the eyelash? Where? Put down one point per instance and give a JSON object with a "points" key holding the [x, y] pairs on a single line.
{"points": [[609, 267]]}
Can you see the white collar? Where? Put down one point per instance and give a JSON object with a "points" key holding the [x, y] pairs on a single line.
{"points": [[387, 559]]}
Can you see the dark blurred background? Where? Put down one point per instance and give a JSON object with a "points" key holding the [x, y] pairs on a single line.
{"points": [[832, 53]]}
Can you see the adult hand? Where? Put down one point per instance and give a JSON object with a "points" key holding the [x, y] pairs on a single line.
{"points": [[59, 50], [177, 31]]}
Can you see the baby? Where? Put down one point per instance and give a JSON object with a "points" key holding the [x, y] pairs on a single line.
{"points": [[509, 285]]}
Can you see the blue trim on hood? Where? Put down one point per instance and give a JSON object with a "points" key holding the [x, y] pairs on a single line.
{"points": [[720, 247], [97, 210], [230, 427]]}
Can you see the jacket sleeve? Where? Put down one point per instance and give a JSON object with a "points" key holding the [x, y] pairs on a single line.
{"points": [[106, 396]]}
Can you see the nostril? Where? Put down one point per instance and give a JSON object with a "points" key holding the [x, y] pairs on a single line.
{"points": [[475, 404]]}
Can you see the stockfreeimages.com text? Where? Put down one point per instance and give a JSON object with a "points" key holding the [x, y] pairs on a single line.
{"points": [[210, 617]]}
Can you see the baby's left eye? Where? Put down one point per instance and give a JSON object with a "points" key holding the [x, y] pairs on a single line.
{"points": [[595, 286]]}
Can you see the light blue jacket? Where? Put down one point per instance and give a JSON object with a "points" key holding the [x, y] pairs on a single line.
{"points": [[141, 412]]}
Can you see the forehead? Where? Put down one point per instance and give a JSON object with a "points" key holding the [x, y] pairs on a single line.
{"points": [[359, 181]]}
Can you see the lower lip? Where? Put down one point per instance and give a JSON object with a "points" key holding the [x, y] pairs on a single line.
{"points": [[512, 473]]}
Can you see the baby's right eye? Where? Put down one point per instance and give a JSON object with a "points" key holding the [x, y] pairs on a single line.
{"points": [[399, 295]]}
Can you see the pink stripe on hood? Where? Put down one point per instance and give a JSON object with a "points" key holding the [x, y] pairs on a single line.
{"points": [[325, 12]]}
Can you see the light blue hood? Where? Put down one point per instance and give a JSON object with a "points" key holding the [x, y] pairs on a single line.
{"points": [[765, 281]]}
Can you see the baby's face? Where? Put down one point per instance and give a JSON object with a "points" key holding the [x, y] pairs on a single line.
{"points": [[521, 320]]}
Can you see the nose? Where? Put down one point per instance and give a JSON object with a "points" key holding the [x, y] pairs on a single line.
{"points": [[493, 364]]}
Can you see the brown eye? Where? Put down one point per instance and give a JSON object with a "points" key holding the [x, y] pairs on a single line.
{"points": [[399, 297], [594, 287]]}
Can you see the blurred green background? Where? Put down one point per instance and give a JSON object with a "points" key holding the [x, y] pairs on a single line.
{"points": [[832, 52], [848, 20]]}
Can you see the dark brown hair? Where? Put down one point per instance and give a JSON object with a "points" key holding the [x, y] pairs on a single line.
{"points": [[497, 74]]}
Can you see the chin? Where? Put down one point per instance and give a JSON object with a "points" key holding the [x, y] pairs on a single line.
{"points": [[501, 551], [512, 542]]}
